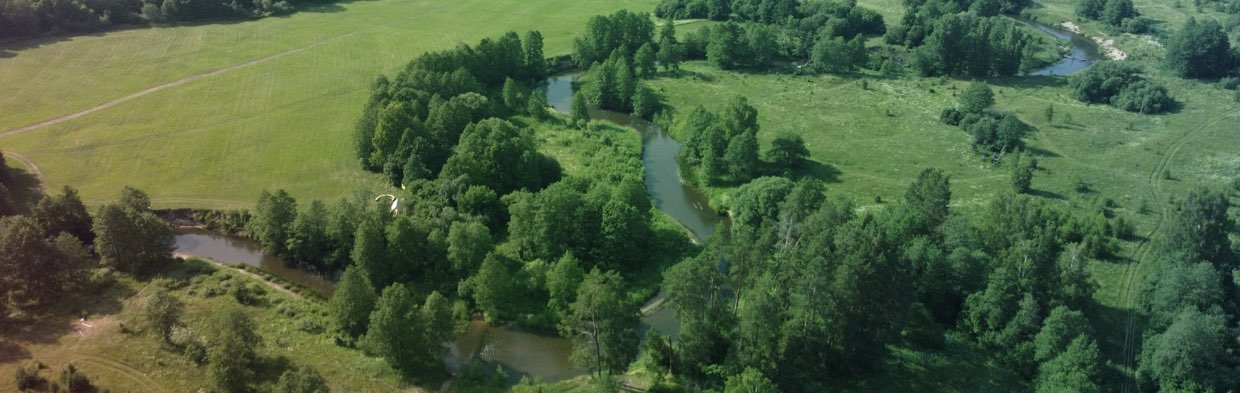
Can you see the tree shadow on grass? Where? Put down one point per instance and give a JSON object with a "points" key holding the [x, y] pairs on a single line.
{"points": [[1040, 152], [24, 188], [12, 353], [1048, 195], [269, 369], [813, 169]]}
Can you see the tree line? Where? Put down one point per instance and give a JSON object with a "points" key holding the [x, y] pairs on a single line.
{"points": [[32, 18]]}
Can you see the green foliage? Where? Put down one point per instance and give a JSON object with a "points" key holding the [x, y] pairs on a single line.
{"points": [[1120, 85], [308, 240], [1190, 355], [492, 286], [273, 218], [644, 61], [1200, 231], [302, 379], [468, 244], [1074, 370], [71, 380], [64, 213], [132, 241], [161, 311], [977, 98], [601, 323], [968, 45], [1179, 286], [497, 154], [34, 269], [405, 335], [645, 103], [787, 151], [370, 253], [1059, 329], [580, 109], [353, 301], [624, 30], [835, 54], [929, 195], [231, 353], [1022, 173], [1200, 50], [750, 381]]}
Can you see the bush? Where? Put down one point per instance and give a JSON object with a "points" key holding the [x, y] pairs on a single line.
{"points": [[247, 293], [1120, 85], [951, 116], [27, 376], [1143, 97], [71, 381], [1229, 83]]}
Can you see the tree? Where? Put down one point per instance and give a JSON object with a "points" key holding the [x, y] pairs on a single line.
{"points": [[64, 213], [624, 232], [1073, 370], [513, 96], [742, 157], [670, 53], [535, 61], [581, 111], [1200, 231], [308, 241], [645, 103], [492, 286], [977, 98], [1059, 329], [468, 244], [750, 381], [1022, 174], [788, 151], [353, 301], [273, 217], [161, 312], [135, 199], [562, 282], [930, 195], [395, 329], [131, 241], [602, 324], [643, 61], [1191, 355], [497, 154], [370, 253], [302, 379], [537, 105], [1199, 49], [726, 49], [1181, 286], [231, 350], [32, 268], [1116, 11]]}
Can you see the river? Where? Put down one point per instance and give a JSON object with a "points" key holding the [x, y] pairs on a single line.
{"points": [[1084, 51], [239, 251]]}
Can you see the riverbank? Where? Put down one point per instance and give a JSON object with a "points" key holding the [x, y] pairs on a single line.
{"points": [[1107, 44]]}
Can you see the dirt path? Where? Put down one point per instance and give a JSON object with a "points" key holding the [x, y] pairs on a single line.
{"points": [[253, 275], [176, 83], [1142, 251]]}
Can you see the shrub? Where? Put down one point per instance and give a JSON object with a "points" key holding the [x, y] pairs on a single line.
{"points": [[247, 293], [71, 381], [951, 116], [1143, 97], [27, 376]]}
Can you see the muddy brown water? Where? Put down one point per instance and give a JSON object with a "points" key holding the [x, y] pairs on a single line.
{"points": [[234, 250]]}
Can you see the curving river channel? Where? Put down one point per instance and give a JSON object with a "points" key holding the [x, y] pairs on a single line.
{"points": [[525, 353]]}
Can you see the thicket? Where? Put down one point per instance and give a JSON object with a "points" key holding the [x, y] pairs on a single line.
{"points": [[1120, 85], [1120, 14], [994, 133], [1201, 50]]}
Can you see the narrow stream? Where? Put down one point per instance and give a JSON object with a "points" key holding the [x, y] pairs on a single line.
{"points": [[1083, 53]]}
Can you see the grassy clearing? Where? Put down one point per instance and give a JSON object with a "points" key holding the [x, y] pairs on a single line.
{"points": [[281, 118], [102, 343]]}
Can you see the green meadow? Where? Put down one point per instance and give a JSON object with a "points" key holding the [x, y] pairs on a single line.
{"points": [[272, 106]]}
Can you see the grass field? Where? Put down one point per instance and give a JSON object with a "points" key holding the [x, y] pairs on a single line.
{"points": [[274, 110]]}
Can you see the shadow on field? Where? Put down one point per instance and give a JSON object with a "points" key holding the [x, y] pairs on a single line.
{"points": [[1048, 195], [1040, 152], [1111, 325], [1031, 81], [825, 172], [24, 188], [11, 353]]}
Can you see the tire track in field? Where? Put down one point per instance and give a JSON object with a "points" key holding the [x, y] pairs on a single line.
{"points": [[175, 83], [124, 369], [1143, 250]]}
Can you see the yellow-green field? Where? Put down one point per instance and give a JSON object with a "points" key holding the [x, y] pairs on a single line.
{"points": [[272, 106]]}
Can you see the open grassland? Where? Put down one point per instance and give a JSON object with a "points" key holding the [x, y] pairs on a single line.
{"points": [[100, 333], [268, 103]]}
